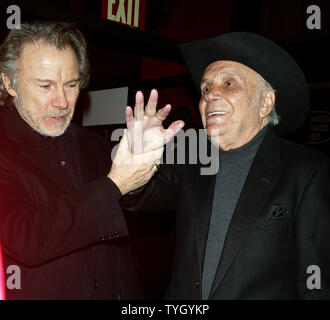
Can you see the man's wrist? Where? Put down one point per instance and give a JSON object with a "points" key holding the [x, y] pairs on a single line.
{"points": [[118, 183]]}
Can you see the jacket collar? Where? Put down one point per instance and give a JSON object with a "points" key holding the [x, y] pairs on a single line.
{"points": [[18, 130], [33, 147]]}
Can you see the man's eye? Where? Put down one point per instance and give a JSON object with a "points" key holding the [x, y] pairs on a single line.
{"points": [[229, 84], [205, 90], [44, 86], [72, 85]]}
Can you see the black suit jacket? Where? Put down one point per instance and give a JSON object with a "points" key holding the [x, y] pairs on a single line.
{"points": [[280, 226], [69, 243]]}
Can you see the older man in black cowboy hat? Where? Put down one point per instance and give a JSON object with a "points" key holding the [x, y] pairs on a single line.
{"points": [[259, 228]]}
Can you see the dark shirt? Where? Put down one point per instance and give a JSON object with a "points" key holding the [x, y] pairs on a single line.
{"points": [[65, 150]]}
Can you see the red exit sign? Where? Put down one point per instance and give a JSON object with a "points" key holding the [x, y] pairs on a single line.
{"points": [[131, 13]]}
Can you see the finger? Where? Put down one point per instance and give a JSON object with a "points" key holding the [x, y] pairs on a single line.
{"points": [[129, 118], [139, 106], [173, 129], [122, 150], [152, 103], [163, 113], [130, 127]]}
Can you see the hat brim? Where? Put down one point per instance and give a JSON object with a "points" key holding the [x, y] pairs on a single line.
{"points": [[265, 57]]}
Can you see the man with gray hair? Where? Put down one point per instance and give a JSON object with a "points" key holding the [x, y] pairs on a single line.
{"points": [[60, 219], [259, 228]]}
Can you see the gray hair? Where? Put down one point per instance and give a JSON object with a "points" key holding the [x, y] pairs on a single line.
{"points": [[57, 34], [273, 118]]}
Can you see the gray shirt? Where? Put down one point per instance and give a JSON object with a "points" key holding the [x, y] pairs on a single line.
{"points": [[234, 167]]}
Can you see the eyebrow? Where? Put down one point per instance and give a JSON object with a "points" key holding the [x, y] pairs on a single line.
{"points": [[52, 81], [225, 72], [205, 81], [230, 73]]}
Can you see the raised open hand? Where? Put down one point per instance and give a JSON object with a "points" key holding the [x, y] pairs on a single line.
{"points": [[145, 126]]}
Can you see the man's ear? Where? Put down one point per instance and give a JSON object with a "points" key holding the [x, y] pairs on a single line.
{"points": [[267, 103], [8, 85]]}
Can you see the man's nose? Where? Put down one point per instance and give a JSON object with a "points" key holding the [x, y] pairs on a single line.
{"points": [[213, 93], [60, 100]]}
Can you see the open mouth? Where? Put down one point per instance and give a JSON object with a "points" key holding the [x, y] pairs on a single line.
{"points": [[215, 114]]}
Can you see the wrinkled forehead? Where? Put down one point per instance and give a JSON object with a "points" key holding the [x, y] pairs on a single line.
{"points": [[230, 68], [47, 62], [37, 50]]}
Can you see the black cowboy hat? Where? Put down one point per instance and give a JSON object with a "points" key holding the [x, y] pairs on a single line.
{"points": [[265, 57]]}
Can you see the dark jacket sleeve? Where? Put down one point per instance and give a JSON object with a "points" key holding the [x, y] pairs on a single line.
{"points": [[33, 233], [313, 236], [159, 194]]}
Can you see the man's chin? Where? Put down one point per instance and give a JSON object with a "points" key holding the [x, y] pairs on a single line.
{"points": [[51, 131], [215, 131]]}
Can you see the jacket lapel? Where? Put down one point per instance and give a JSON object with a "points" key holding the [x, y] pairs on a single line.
{"points": [[89, 156], [257, 188], [203, 187], [203, 200]]}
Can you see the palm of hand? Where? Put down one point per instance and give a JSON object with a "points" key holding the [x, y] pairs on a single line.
{"points": [[145, 128], [146, 135]]}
